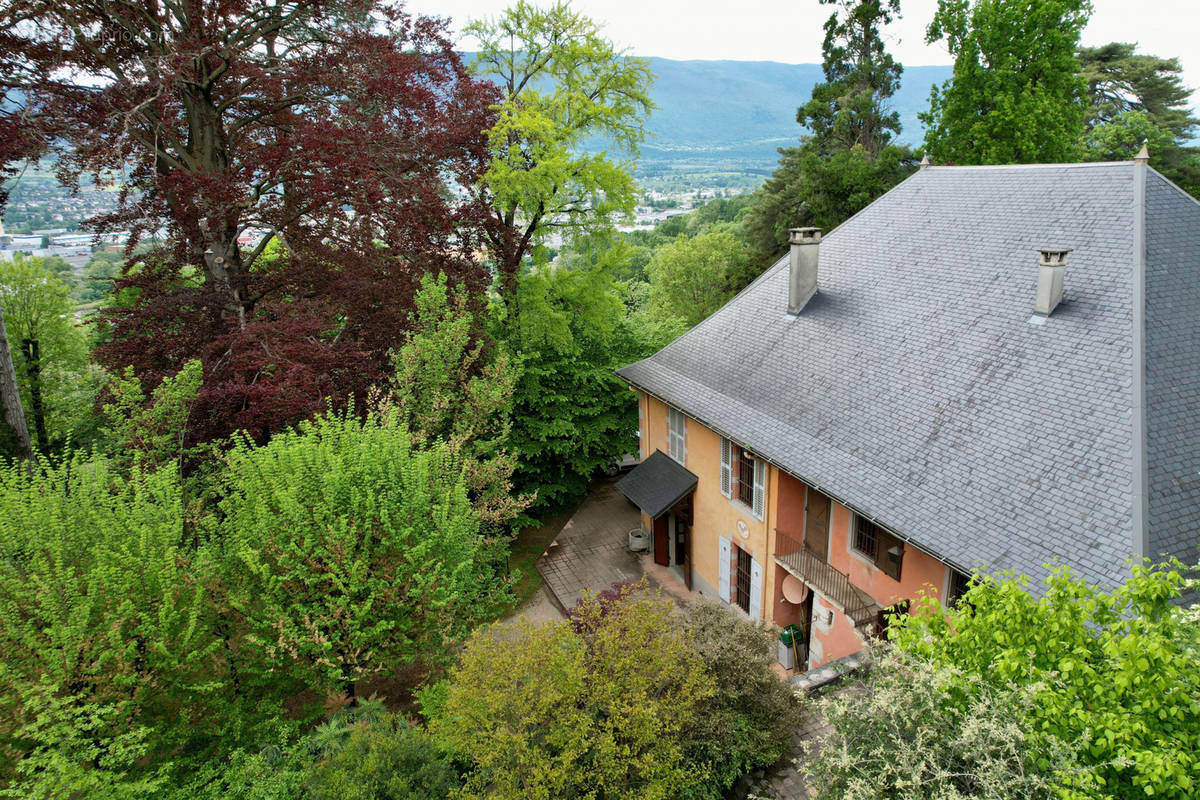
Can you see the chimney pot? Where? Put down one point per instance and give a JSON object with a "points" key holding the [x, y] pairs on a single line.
{"points": [[802, 266], [1051, 268]]}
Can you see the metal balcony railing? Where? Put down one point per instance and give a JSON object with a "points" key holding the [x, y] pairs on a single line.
{"points": [[825, 578]]}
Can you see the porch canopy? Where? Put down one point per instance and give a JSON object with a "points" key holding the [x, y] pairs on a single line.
{"points": [[657, 484]]}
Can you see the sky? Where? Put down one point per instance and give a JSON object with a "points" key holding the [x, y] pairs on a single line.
{"points": [[790, 30]]}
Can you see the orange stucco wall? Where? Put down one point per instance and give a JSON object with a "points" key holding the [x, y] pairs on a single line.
{"points": [[919, 572], [716, 516]]}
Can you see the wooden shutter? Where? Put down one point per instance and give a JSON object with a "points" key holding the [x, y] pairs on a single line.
{"points": [[756, 590], [724, 553], [726, 467], [760, 481]]}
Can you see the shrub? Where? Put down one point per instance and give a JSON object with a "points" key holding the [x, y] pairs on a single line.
{"points": [[349, 553], [544, 712], [750, 721], [1113, 673], [911, 730], [386, 760]]}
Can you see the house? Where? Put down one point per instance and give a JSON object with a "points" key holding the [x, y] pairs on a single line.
{"points": [[989, 368]]}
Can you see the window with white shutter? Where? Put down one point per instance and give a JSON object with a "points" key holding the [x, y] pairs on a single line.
{"points": [[760, 482], [677, 435], [726, 466]]}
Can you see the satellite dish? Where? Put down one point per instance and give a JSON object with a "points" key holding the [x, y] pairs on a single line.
{"points": [[794, 590]]}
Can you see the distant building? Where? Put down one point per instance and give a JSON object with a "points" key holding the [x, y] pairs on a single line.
{"points": [[992, 368]]}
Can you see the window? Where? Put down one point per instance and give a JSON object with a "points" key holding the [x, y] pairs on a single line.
{"points": [[743, 580], [956, 586], [865, 540], [885, 551], [677, 435], [745, 484], [743, 477]]}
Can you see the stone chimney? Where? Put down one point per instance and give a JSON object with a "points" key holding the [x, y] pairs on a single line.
{"points": [[1051, 268], [802, 272]]}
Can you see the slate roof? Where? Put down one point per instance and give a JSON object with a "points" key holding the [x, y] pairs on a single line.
{"points": [[657, 484], [915, 389]]}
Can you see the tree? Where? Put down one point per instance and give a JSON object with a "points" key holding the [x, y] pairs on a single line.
{"points": [[548, 712], [1136, 98], [99, 619], [563, 84], [571, 414], [848, 159], [904, 730], [849, 108], [451, 383], [74, 746], [348, 554], [236, 124], [1110, 674], [692, 277], [49, 350], [150, 431], [10, 394], [1016, 96]]}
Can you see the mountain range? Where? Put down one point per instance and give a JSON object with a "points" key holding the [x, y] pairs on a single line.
{"points": [[733, 115]]}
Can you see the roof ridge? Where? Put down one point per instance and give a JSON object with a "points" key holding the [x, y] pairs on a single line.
{"points": [[1140, 543], [1059, 165]]}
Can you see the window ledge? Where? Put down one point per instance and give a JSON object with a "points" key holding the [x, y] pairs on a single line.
{"points": [[743, 509]]}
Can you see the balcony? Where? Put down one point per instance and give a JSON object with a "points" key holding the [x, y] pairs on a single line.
{"points": [[827, 580]]}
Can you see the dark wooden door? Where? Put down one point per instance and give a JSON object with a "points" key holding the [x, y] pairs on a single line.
{"points": [[816, 525], [662, 554]]}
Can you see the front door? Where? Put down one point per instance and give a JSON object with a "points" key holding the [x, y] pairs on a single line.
{"points": [[662, 554], [816, 524]]}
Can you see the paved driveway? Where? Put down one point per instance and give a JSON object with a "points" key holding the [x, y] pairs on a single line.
{"points": [[592, 550]]}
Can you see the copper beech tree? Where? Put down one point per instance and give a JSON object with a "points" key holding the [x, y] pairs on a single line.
{"points": [[306, 163]]}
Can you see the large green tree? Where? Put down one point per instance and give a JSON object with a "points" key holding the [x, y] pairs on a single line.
{"points": [[452, 383], [348, 553], [100, 624], [571, 414], [692, 277], [1016, 95], [1134, 98], [563, 84], [49, 350], [850, 107], [848, 160]]}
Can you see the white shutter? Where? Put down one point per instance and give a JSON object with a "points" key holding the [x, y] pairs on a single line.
{"points": [[726, 466], [756, 591], [682, 439], [724, 553], [677, 435], [760, 480]]}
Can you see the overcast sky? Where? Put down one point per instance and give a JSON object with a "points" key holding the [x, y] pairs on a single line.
{"points": [[790, 30]]}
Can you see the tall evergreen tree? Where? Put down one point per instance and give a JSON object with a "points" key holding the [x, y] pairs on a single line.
{"points": [[850, 107], [1016, 95], [848, 159], [1135, 97]]}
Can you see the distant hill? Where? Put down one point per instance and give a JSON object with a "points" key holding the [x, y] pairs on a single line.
{"points": [[732, 115]]}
